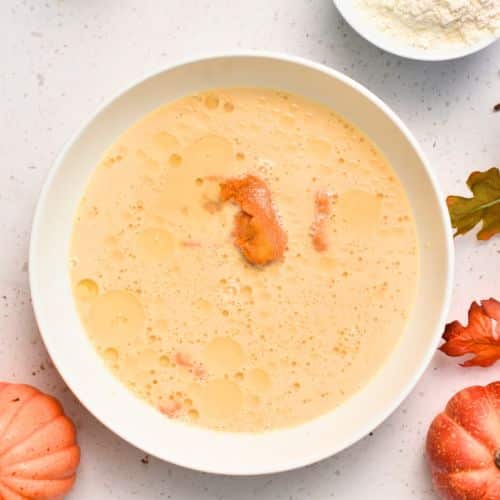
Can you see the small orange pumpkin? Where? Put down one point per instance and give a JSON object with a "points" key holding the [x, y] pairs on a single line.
{"points": [[38, 450], [463, 445]]}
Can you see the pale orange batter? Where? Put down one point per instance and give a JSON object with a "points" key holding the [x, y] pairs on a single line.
{"points": [[163, 260]]}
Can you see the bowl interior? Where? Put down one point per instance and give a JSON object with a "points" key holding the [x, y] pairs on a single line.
{"points": [[369, 30], [135, 420]]}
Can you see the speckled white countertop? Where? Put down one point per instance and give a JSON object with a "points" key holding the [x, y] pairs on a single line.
{"points": [[63, 58]]}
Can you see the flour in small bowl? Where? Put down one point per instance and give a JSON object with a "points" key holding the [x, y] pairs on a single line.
{"points": [[435, 23]]}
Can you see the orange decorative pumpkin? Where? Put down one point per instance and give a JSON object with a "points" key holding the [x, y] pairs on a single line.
{"points": [[38, 450], [463, 445]]}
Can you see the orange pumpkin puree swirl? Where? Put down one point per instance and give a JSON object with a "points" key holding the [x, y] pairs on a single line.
{"points": [[322, 210], [257, 231]]}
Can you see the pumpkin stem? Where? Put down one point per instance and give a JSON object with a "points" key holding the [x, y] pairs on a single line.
{"points": [[496, 457]]}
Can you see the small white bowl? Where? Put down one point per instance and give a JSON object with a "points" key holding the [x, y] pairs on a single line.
{"points": [[369, 31], [137, 422]]}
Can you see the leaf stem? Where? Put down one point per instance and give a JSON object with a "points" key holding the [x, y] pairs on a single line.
{"points": [[486, 205]]}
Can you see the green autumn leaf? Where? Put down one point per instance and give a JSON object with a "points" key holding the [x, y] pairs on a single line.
{"points": [[465, 213]]}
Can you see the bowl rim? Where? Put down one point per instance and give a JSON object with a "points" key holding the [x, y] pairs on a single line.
{"points": [[405, 51], [398, 398]]}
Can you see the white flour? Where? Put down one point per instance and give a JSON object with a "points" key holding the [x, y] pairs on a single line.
{"points": [[432, 23]]}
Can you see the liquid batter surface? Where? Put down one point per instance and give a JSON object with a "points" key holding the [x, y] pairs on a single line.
{"points": [[176, 308]]}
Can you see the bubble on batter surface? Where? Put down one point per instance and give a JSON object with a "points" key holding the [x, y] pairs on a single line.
{"points": [[86, 289]]}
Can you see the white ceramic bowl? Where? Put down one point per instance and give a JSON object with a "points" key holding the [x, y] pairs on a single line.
{"points": [[136, 421], [369, 31]]}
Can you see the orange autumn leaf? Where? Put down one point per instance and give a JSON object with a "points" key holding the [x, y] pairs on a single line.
{"points": [[481, 336]]}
